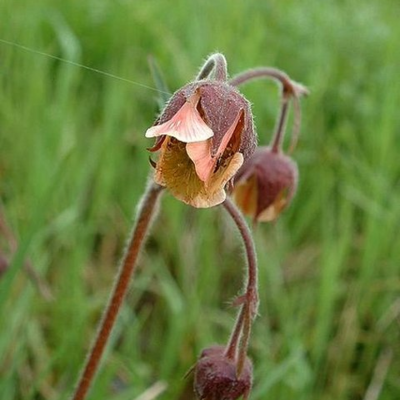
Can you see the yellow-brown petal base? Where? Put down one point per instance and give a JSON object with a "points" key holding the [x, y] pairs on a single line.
{"points": [[272, 212], [246, 197], [177, 172]]}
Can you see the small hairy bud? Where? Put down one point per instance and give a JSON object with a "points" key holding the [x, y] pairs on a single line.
{"points": [[265, 185], [215, 376]]}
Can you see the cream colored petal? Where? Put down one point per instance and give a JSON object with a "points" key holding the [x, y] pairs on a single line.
{"points": [[223, 175], [273, 211], [200, 154], [245, 194], [214, 193], [186, 125]]}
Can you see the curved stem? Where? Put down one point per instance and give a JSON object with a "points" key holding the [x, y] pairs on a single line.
{"points": [[291, 87], [244, 345], [250, 306], [145, 215], [276, 144], [217, 63], [232, 346]]}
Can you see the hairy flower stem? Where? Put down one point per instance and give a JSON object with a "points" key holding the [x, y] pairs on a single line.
{"points": [[232, 347], [250, 298], [145, 215], [276, 145], [289, 86], [217, 63]]}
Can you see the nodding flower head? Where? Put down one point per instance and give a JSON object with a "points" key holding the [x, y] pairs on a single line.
{"points": [[203, 136], [215, 376], [265, 184]]}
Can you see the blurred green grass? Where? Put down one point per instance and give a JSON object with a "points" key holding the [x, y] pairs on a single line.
{"points": [[73, 165]]}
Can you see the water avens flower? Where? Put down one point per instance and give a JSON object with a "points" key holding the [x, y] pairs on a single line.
{"points": [[205, 141], [203, 136]]}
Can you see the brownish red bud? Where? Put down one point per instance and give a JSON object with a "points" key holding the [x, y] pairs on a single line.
{"points": [[215, 376], [204, 134], [265, 185]]}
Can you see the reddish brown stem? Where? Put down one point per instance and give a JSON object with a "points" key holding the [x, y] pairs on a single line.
{"points": [[215, 63], [244, 345], [232, 347], [250, 306], [276, 144], [126, 269], [288, 86]]}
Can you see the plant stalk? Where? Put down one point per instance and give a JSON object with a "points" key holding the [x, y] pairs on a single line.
{"points": [[145, 215], [250, 299], [276, 144], [288, 86]]}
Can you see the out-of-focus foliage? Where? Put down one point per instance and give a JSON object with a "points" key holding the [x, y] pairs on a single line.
{"points": [[73, 164]]}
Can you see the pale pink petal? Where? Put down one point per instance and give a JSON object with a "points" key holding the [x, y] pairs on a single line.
{"points": [[200, 154], [186, 125]]}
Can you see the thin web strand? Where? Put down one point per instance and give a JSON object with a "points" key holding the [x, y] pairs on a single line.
{"points": [[98, 71]]}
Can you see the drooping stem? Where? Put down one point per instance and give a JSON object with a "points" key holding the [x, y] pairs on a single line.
{"points": [[145, 214], [244, 345], [252, 276], [250, 297], [232, 347], [215, 63], [288, 85], [276, 144]]}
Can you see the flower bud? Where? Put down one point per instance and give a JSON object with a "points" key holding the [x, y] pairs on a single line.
{"points": [[204, 134], [265, 185], [215, 376]]}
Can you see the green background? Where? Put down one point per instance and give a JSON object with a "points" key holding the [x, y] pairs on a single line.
{"points": [[73, 165]]}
